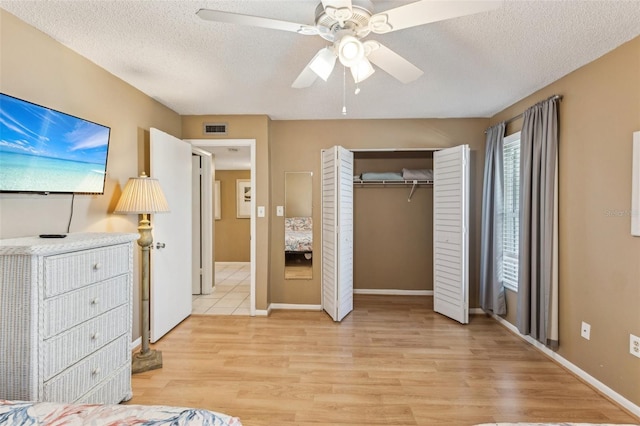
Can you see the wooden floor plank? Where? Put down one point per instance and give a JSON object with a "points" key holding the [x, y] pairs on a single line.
{"points": [[390, 362]]}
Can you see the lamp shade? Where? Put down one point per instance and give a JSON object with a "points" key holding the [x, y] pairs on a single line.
{"points": [[142, 195], [322, 64], [362, 70]]}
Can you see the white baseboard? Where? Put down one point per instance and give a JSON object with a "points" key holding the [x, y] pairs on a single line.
{"points": [[136, 344], [606, 390], [293, 306], [262, 312], [393, 292], [476, 311]]}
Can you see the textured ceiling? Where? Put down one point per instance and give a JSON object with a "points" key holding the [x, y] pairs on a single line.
{"points": [[474, 66]]}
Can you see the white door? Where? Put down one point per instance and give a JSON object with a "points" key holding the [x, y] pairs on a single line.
{"points": [[337, 232], [203, 273], [450, 233], [170, 163], [196, 226], [207, 222]]}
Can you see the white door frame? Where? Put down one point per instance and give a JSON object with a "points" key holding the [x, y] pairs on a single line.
{"points": [[251, 143], [206, 215]]}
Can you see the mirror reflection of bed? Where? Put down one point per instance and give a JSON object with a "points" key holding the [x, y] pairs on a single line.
{"points": [[298, 226]]}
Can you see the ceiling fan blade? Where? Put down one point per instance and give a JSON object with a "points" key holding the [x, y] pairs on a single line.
{"points": [[427, 11], [337, 4], [391, 62], [255, 21]]}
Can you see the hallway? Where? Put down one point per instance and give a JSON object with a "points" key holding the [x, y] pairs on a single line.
{"points": [[230, 294]]}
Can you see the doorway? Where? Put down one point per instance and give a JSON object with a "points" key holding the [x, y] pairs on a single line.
{"points": [[234, 277]]}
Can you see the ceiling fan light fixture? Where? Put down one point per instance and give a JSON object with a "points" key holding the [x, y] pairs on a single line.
{"points": [[323, 63], [362, 70], [350, 51]]}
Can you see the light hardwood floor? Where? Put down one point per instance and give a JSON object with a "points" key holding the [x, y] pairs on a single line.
{"points": [[392, 361]]}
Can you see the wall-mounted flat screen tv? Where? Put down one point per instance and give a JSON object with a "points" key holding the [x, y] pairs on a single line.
{"points": [[47, 151]]}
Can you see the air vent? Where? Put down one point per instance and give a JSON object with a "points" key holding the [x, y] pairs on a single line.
{"points": [[215, 128]]}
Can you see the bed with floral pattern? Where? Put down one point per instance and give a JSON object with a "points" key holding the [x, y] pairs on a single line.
{"points": [[58, 414], [555, 424], [298, 235]]}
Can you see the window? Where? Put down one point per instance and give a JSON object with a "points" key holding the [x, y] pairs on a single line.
{"points": [[511, 225]]}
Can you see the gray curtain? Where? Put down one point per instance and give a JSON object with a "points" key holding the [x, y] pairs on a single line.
{"points": [[491, 288], [538, 256]]}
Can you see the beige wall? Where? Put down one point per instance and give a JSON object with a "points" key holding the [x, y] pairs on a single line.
{"points": [[599, 261], [247, 127], [233, 237], [296, 146], [35, 67]]}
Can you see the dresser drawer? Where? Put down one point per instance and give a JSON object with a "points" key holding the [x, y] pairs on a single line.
{"points": [[74, 382], [113, 391], [65, 311], [69, 271], [71, 346]]}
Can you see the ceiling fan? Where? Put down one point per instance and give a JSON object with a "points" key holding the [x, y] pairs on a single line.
{"points": [[345, 23]]}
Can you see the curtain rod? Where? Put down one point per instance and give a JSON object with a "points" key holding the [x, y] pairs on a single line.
{"points": [[554, 97]]}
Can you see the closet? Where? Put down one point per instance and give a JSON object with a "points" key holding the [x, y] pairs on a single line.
{"points": [[387, 234], [393, 225]]}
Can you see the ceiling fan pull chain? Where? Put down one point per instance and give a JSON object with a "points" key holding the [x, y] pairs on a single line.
{"points": [[344, 90]]}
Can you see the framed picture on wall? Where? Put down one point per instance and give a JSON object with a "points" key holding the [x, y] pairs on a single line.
{"points": [[216, 201], [243, 198]]}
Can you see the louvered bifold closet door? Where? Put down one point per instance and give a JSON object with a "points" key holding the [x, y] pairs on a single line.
{"points": [[450, 233], [337, 232]]}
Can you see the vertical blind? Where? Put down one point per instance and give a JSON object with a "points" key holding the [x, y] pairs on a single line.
{"points": [[511, 170]]}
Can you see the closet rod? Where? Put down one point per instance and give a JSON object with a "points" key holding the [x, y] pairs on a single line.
{"points": [[554, 97]]}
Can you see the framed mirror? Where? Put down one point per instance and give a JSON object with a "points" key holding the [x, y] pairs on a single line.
{"points": [[298, 226]]}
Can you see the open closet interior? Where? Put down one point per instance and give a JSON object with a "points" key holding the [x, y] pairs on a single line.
{"points": [[393, 221]]}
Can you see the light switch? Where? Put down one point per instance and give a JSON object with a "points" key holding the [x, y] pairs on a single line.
{"points": [[279, 210], [261, 211]]}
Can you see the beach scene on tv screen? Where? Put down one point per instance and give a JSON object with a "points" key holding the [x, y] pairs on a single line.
{"points": [[44, 150]]}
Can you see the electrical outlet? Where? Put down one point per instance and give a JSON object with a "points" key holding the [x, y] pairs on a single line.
{"points": [[585, 331], [279, 210], [634, 345]]}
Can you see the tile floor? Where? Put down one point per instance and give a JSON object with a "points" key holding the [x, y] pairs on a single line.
{"points": [[231, 291]]}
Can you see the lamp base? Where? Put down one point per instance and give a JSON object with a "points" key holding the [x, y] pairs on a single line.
{"points": [[152, 360]]}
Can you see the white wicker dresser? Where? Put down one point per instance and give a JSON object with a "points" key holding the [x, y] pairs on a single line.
{"points": [[65, 318]]}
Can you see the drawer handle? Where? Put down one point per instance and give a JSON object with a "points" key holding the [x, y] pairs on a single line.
{"points": [[95, 371], [97, 266], [95, 336], [94, 301]]}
